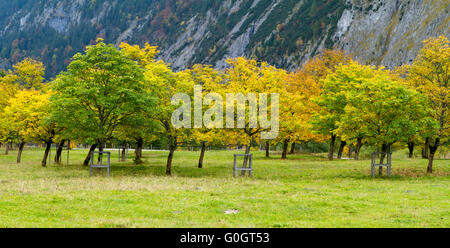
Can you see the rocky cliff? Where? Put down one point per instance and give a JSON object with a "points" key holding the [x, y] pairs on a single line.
{"points": [[283, 32]]}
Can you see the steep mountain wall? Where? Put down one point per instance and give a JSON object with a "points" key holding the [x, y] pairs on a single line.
{"points": [[283, 32]]}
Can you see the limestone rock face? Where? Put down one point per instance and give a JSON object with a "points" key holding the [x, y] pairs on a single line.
{"points": [[391, 33], [283, 32]]}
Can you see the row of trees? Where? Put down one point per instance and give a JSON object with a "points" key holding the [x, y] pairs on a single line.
{"points": [[124, 95]]}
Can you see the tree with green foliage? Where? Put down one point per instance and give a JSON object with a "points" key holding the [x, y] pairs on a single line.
{"points": [[325, 118], [378, 108], [140, 127], [101, 90]]}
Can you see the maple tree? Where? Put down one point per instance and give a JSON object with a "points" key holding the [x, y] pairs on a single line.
{"points": [[101, 90], [247, 77], [430, 74], [140, 127], [7, 91], [27, 115], [27, 74], [318, 68], [377, 108], [297, 109], [209, 79], [166, 83]]}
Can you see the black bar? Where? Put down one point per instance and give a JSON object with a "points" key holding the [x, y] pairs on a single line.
{"points": [[260, 238]]}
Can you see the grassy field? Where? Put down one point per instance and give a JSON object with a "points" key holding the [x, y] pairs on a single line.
{"points": [[303, 191]]}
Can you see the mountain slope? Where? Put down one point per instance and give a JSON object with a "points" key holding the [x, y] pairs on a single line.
{"points": [[282, 32]]}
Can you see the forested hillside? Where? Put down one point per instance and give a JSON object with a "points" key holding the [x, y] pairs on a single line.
{"points": [[283, 32]]}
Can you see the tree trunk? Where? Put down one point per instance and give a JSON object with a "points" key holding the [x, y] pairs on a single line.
{"points": [[426, 149], [331, 152], [138, 151], [172, 148], [292, 148], [19, 155], [88, 157], [48, 146], [59, 152], [202, 155], [341, 149], [267, 149], [358, 148], [124, 153], [7, 148], [384, 151], [101, 147], [411, 149], [285, 148], [433, 149]]}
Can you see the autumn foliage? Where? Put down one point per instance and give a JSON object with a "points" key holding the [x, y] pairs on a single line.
{"points": [[124, 94]]}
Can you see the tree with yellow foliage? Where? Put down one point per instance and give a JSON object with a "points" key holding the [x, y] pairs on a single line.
{"points": [[297, 108], [27, 115], [209, 79], [7, 91], [166, 84], [430, 75], [246, 78], [27, 74]]}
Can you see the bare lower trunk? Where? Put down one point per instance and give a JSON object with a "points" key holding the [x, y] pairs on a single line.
{"points": [[426, 149], [202, 155], [19, 155], [341, 149], [285, 148], [267, 149], [101, 147], [172, 148], [88, 157], [292, 148], [59, 152], [430, 163], [169, 162], [48, 146], [124, 153], [331, 151], [358, 148], [411, 149], [384, 151], [138, 151], [7, 148], [433, 149]]}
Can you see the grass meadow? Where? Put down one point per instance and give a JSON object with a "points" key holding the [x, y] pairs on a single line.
{"points": [[302, 191]]}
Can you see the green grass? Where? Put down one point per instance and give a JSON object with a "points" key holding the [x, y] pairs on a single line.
{"points": [[303, 191]]}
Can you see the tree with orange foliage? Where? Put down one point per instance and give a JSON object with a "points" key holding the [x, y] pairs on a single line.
{"points": [[296, 110]]}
